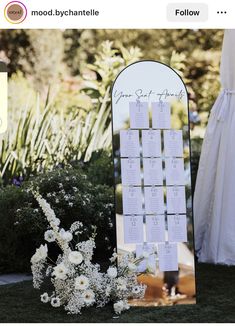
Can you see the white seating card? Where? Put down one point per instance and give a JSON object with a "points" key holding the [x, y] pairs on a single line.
{"points": [[161, 115], [153, 174], [154, 200], [173, 143], [177, 228], [155, 228], [148, 263], [133, 229], [168, 257], [129, 143], [151, 143], [130, 171], [174, 171], [132, 200], [175, 198], [139, 116]]}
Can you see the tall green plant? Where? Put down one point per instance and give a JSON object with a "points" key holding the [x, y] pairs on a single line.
{"points": [[42, 135]]}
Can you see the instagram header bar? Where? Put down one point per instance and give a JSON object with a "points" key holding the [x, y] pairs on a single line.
{"points": [[117, 14]]}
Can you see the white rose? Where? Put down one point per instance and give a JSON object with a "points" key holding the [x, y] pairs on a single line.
{"points": [[88, 297], [66, 235], [60, 271], [45, 297], [40, 254], [49, 236], [132, 267], [75, 257], [112, 272], [55, 302], [81, 282]]}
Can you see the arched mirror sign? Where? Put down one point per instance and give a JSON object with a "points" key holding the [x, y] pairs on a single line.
{"points": [[151, 148]]}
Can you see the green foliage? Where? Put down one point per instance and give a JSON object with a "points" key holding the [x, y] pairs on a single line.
{"points": [[72, 196], [36, 53], [47, 55], [60, 130], [109, 61], [15, 49], [118, 199], [17, 241], [100, 169], [39, 137]]}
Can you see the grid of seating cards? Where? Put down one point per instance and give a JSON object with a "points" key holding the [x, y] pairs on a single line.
{"points": [[147, 172]]}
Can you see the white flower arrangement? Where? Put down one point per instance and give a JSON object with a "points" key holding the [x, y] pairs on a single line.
{"points": [[112, 272], [79, 283], [75, 257]]}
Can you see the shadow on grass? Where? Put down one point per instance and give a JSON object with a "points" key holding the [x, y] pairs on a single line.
{"points": [[215, 303]]}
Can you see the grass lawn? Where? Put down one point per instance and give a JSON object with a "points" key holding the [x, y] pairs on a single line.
{"points": [[216, 303]]}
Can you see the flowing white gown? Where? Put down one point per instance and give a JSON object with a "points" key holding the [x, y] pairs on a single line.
{"points": [[214, 198]]}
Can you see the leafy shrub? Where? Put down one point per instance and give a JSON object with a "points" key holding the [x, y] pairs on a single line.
{"points": [[100, 169], [72, 196], [17, 240]]}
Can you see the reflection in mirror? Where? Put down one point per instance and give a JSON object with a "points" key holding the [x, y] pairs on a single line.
{"points": [[152, 180]]}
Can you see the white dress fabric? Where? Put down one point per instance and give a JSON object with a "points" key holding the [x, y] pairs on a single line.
{"points": [[214, 198]]}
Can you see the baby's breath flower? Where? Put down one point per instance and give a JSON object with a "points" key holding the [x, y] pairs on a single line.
{"points": [[40, 254], [120, 306]]}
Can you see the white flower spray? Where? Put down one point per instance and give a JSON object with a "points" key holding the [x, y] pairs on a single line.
{"points": [[78, 283]]}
